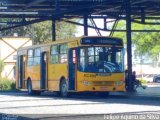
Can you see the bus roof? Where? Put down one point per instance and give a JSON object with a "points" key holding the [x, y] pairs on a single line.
{"points": [[70, 40]]}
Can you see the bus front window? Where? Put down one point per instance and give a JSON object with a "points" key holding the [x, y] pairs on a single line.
{"points": [[101, 59]]}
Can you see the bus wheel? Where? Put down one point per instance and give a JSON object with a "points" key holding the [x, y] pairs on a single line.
{"points": [[30, 91], [29, 87], [63, 88]]}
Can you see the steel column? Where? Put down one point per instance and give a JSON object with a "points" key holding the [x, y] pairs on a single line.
{"points": [[85, 25], [105, 23], [53, 30], [129, 44]]}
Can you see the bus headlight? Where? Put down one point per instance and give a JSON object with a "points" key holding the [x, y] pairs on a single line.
{"points": [[86, 83], [119, 83]]}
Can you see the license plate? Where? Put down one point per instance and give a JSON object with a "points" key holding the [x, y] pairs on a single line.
{"points": [[103, 88]]}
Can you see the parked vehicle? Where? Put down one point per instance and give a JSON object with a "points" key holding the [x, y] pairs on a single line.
{"points": [[156, 78], [146, 77]]}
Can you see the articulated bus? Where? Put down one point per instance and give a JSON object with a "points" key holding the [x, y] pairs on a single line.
{"points": [[86, 64]]}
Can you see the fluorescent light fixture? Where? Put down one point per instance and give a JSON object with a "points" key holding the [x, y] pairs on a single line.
{"points": [[18, 13], [1, 23], [3, 8]]}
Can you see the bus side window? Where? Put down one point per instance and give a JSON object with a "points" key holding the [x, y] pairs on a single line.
{"points": [[63, 53], [83, 59], [54, 54], [30, 57], [37, 53], [74, 56]]}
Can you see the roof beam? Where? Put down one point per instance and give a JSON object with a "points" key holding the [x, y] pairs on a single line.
{"points": [[34, 3]]}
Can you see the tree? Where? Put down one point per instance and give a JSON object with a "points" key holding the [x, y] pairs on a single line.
{"points": [[121, 25], [42, 32], [145, 42]]}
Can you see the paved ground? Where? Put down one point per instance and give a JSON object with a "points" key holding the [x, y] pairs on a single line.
{"points": [[48, 106]]}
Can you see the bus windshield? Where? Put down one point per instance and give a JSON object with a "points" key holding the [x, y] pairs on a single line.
{"points": [[101, 60]]}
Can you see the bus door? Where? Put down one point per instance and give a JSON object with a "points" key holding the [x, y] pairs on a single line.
{"points": [[43, 70], [20, 71], [72, 63]]}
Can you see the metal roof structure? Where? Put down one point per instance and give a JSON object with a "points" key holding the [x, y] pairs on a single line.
{"points": [[40, 10], [73, 8], [33, 11]]}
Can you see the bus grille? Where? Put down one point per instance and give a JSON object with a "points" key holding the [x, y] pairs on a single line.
{"points": [[103, 83]]}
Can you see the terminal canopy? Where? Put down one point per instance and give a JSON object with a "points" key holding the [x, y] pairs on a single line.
{"points": [[76, 8], [34, 11]]}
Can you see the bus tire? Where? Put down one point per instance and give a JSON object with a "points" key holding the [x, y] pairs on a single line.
{"points": [[29, 87], [30, 90], [63, 88]]}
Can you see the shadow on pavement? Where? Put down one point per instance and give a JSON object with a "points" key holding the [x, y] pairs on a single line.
{"points": [[119, 98]]}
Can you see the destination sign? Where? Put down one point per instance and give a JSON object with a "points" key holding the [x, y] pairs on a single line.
{"points": [[101, 41]]}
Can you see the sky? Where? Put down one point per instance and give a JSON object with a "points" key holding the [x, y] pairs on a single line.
{"points": [[92, 32]]}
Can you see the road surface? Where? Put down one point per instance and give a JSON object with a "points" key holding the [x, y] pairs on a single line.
{"points": [[48, 106]]}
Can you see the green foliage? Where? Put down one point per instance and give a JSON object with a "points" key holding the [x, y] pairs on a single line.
{"points": [[121, 25], [146, 42], [1, 66], [6, 84], [42, 32]]}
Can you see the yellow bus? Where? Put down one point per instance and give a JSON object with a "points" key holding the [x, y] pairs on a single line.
{"points": [[85, 64]]}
